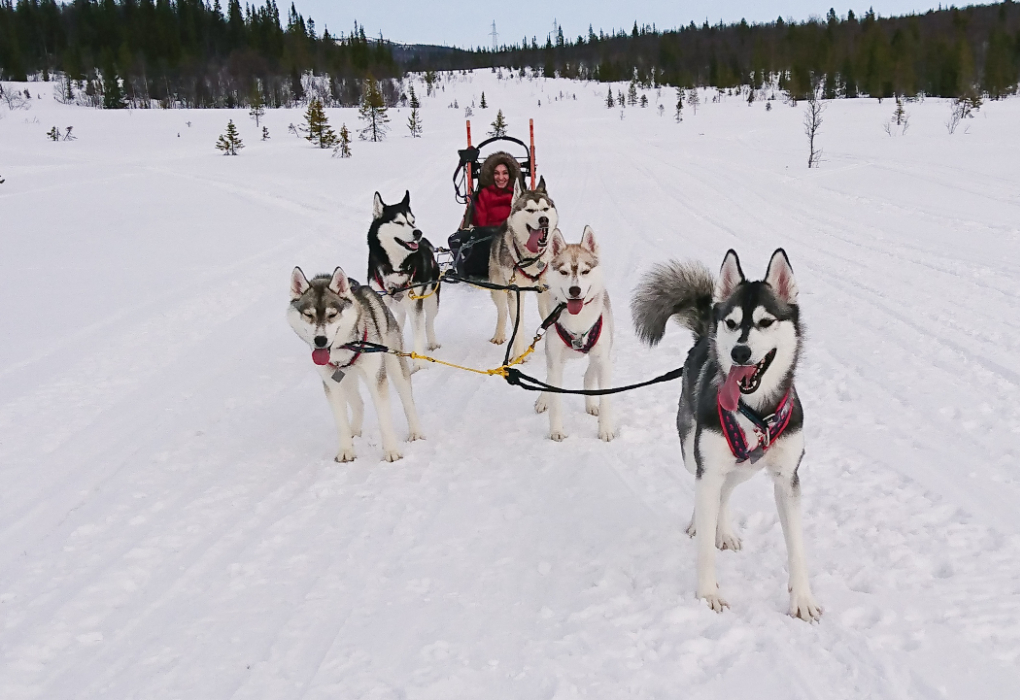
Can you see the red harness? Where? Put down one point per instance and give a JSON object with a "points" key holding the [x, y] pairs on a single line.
{"points": [[357, 353], [520, 258], [766, 429], [575, 342]]}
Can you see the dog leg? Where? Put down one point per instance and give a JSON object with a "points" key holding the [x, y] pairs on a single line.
{"points": [[337, 397], [591, 403], [787, 492], [431, 310], [521, 339], [397, 369], [544, 304], [607, 430], [417, 313], [379, 388], [708, 489], [725, 536], [499, 298], [357, 406], [554, 363]]}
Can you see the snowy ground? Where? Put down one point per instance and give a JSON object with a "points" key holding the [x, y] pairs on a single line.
{"points": [[172, 524]]}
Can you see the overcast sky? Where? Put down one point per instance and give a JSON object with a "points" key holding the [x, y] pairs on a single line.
{"points": [[466, 24]]}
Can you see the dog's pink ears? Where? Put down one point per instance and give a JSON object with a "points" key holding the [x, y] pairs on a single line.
{"points": [[730, 275], [298, 283], [558, 243], [339, 283], [780, 277], [588, 241]]}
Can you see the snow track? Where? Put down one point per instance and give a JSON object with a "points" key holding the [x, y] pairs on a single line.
{"points": [[172, 524]]}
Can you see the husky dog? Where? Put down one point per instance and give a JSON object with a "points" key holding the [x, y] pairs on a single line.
{"points": [[575, 279], [398, 257], [739, 410], [520, 255], [334, 315]]}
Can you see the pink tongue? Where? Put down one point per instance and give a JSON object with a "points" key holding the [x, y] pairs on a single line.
{"points": [[574, 306], [534, 238], [729, 392], [320, 356]]}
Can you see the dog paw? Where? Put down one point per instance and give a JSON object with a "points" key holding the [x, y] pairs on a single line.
{"points": [[346, 455], [434, 346], [715, 601], [392, 455], [415, 435], [541, 404], [498, 339], [691, 530], [727, 540], [417, 366], [804, 606], [592, 408], [557, 435], [606, 434]]}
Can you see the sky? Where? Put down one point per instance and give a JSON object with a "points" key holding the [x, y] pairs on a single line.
{"points": [[467, 24]]}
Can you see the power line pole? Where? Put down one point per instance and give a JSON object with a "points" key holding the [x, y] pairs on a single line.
{"points": [[495, 37]]}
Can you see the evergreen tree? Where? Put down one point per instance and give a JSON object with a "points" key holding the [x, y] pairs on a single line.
{"points": [[257, 106], [632, 94], [693, 99], [619, 98], [53, 134], [498, 126], [113, 96], [373, 113], [265, 133], [343, 145], [610, 102], [679, 105], [230, 142], [644, 101], [482, 104], [317, 128]]}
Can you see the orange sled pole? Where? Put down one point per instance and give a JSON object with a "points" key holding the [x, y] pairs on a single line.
{"points": [[534, 167], [467, 170]]}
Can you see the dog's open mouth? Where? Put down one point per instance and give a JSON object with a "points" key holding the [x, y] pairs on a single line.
{"points": [[320, 356], [574, 306], [537, 238], [743, 379], [410, 245]]}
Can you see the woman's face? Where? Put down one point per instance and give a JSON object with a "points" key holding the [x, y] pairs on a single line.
{"points": [[501, 176]]}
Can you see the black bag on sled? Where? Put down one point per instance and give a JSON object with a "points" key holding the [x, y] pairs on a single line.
{"points": [[470, 250]]}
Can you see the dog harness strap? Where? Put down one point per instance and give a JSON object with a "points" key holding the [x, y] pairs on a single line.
{"points": [[522, 262], [357, 352], [377, 278], [767, 429], [578, 342]]}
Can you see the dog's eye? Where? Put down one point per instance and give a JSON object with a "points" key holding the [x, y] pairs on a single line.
{"points": [[584, 272], [562, 272], [731, 324], [331, 313], [308, 313], [765, 322]]}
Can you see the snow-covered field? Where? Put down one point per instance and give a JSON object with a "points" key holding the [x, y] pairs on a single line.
{"points": [[172, 524]]}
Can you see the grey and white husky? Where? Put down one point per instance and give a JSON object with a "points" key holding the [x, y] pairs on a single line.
{"points": [[334, 315], [520, 255], [398, 257], [739, 410], [584, 328]]}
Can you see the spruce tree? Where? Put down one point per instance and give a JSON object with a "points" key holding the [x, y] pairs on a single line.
{"points": [[230, 142], [482, 104], [679, 105], [644, 101], [414, 121], [610, 102], [265, 133], [113, 96], [258, 108], [373, 113], [53, 134], [693, 100], [632, 94], [343, 144], [317, 125], [498, 126]]}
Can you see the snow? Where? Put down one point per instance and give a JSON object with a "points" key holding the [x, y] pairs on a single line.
{"points": [[172, 524]]}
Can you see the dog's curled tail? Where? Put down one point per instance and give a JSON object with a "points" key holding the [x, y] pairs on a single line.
{"points": [[681, 289]]}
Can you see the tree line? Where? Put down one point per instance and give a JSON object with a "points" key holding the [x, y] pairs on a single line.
{"points": [[184, 52], [189, 53]]}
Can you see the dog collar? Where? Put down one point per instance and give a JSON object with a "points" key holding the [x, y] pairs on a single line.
{"points": [[357, 350], [767, 429], [383, 289], [523, 262], [581, 343]]}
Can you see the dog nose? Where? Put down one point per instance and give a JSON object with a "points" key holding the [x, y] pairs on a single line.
{"points": [[321, 341], [417, 235], [575, 292], [741, 354], [543, 221]]}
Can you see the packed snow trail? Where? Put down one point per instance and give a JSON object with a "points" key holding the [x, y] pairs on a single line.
{"points": [[172, 523]]}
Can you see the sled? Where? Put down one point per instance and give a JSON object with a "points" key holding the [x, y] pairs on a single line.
{"points": [[469, 246]]}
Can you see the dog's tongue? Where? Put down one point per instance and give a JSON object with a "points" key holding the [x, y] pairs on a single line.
{"points": [[574, 306], [320, 356], [534, 237], [729, 392]]}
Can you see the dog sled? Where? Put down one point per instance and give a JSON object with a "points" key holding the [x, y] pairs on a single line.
{"points": [[469, 245]]}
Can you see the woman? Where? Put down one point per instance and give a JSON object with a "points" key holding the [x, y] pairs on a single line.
{"points": [[495, 189]]}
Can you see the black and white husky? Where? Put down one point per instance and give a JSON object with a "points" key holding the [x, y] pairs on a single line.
{"points": [[334, 315], [583, 329], [399, 257], [739, 410], [520, 255]]}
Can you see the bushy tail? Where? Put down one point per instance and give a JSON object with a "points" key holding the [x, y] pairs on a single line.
{"points": [[681, 289]]}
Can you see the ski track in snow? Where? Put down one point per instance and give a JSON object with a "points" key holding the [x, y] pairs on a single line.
{"points": [[172, 523]]}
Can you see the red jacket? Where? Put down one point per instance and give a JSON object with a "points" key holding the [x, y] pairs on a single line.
{"points": [[492, 206]]}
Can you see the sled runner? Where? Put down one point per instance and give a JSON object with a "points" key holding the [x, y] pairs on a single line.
{"points": [[469, 246]]}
